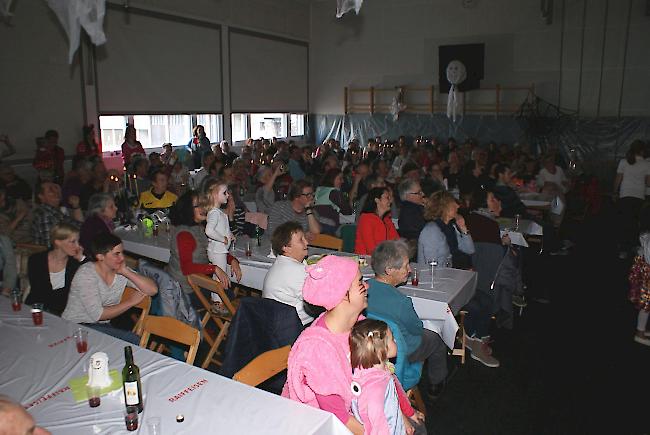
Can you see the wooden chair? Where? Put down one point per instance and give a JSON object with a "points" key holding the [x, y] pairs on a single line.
{"points": [[222, 321], [460, 337], [144, 305], [328, 242], [171, 329], [264, 367]]}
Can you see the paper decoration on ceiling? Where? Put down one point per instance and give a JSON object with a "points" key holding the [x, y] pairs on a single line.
{"points": [[75, 14], [343, 6], [397, 106], [456, 74]]}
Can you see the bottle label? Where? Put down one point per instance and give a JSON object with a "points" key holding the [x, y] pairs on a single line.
{"points": [[131, 393]]}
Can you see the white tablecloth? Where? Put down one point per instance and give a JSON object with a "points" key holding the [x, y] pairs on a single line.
{"points": [[37, 364], [436, 308]]}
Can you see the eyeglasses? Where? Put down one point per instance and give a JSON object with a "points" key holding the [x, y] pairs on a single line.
{"points": [[420, 193], [307, 194]]}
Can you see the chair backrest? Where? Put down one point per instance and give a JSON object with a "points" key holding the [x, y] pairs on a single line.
{"points": [[144, 305], [264, 367], [348, 235], [171, 329], [407, 372], [328, 242], [198, 282]]}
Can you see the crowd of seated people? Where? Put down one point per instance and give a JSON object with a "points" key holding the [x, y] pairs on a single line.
{"points": [[406, 203]]}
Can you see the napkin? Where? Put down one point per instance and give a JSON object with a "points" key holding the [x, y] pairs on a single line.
{"points": [[78, 385]]}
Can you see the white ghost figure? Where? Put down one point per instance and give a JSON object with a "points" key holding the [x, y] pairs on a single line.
{"points": [[343, 6], [456, 74], [397, 106], [98, 371], [75, 14]]}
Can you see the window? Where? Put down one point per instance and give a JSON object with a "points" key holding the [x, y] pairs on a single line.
{"points": [[213, 127], [239, 123], [268, 125], [154, 130], [297, 124], [112, 132]]}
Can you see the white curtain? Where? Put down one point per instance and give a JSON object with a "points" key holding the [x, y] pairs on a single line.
{"points": [[75, 14]]}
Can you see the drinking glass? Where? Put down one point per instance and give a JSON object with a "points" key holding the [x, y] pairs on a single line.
{"points": [[81, 339], [415, 279], [249, 251], [131, 418], [16, 300], [94, 395], [37, 314], [154, 426], [434, 265]]}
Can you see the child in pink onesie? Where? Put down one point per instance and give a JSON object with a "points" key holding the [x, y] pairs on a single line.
{"points": [[379, 401]]}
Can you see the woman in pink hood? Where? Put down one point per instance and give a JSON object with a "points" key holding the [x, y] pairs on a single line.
{"points": [[319, 371]]}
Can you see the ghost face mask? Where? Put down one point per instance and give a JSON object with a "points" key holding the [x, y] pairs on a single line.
{"points": [[456, 72]]}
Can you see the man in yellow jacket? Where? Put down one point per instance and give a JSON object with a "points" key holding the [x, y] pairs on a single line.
{"points": [[158, 196]]}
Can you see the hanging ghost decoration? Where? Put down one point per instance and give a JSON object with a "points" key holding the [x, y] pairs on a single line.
{"points": [[343, 6], [75, 14], [456, 74], [397, 106]]}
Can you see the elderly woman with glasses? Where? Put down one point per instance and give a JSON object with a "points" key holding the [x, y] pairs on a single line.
{"points": [[445, 239]]}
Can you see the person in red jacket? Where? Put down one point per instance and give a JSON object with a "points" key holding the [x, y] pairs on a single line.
{"points": [[375, 223], [49, 156]]}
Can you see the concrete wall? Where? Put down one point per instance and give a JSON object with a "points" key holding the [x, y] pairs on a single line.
{"points": [[396, 43]]}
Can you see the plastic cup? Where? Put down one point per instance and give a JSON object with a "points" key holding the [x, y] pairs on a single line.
{"points": [[415, 279], [16, 301], [94, 395], [249, 251], [131, 418], [154, 426], [37, 314], [81, 339]]}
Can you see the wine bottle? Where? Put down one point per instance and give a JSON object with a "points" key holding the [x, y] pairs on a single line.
{"points": [[131, 381]]}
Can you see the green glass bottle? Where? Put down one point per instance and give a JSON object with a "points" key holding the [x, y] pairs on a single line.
{"points": [[131, 381]]}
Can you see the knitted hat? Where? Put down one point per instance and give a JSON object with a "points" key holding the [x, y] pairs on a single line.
{"points": [[328, 280]]}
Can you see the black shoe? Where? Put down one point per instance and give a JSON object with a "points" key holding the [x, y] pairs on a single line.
{"points": [[436, 391]]}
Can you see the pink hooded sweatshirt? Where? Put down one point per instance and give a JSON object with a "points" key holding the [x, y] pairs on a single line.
{"points": [[319, 363]]}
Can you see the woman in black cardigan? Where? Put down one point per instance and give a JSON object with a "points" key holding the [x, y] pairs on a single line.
{"points": [[50, 273]]}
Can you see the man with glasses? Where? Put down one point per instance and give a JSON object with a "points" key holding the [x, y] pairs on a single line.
{"points": [[411, 214], [297, 209]]}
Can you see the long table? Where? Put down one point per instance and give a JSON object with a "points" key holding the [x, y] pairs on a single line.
{"points": [[37, 365], [436, 307]]}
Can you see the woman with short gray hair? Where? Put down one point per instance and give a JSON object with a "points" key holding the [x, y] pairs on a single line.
{"points": [[99, 219], [390, 261]]}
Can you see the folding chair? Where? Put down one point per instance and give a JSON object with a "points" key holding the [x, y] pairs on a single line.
{"points": [[264, 367], [144, 305], [171, 329], [222, 321], [328, 242], [22, 252]]}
